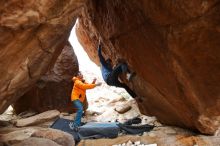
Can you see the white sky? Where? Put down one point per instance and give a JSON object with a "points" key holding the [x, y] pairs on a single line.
{"points": [[85, 63]]}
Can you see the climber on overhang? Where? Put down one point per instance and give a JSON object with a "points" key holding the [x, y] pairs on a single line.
{"points": [[111, 75], [78, 96]]}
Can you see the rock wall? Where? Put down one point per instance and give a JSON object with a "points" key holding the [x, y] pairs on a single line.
{"points": [[173, 46], [52, 90], [33, 34]]}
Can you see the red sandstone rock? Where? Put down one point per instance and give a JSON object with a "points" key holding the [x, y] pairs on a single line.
{"points": [[33, 34], [52, 90], [39, 136], [123, 108], [173, 46], [174, 49], [58, 136], [38, 119], [37, 142]]}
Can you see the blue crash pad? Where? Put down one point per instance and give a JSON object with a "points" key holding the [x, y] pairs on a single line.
{"points": [[99, 130], [63, 125], [89, 130]]}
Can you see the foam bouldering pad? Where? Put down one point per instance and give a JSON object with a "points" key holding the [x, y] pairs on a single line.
{"points": [[63, 125], [140, 129], [89, 130], [98, 130]]}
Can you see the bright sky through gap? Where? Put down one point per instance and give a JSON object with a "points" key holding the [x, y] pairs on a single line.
{"points": [[85, 64], [90, 70]]}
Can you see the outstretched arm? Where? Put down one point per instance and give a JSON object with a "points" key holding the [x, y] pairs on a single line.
{"points": [[101, 58], [84, 85]]}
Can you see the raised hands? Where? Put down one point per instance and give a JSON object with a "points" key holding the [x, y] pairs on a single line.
{"points": [[99, 40], [94, 80], [98, 84]]}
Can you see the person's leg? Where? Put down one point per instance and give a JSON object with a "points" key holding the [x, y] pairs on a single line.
{"points": [[113, 77], [85, 106], [131, 92], [119, 69], [125, 69], [122, 85], [78, 105]]}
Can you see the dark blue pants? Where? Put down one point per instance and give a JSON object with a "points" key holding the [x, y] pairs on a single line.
{"points": [[79, 106], [113, 78]]}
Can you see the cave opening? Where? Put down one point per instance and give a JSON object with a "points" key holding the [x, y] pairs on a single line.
{"points": [[39, 98], [90, 71], [172, 46]]}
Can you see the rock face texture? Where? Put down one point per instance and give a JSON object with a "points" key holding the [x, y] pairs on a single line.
{"points": [[173, 46], [166, 139], [38, 136], [33, 34], [37, 119], [52, 90], [174, 49]]}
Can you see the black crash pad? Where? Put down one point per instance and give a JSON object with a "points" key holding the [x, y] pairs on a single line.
{"points": [[89, 130], [63, 125], [140, 129], [100, 130]]}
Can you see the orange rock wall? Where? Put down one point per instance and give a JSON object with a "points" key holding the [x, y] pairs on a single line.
{"points": [[33, 33], [173, 46], [52, 90]]}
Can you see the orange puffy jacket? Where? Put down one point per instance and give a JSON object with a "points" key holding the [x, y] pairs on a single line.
{"points": [[79, 89]]}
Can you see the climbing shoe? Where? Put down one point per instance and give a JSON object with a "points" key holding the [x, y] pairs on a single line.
{"points": [[73, 127], [83, 123], [129, 76], [135, 120]]}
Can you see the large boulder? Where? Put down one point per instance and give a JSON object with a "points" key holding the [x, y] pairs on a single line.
{"points": [[60, 137], [173, 46], [37, 119], [36, 142], [33, 34], [36, 136], [52, 90], [123, 108]]}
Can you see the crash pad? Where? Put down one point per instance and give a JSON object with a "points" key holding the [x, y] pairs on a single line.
{"points": [[99, 130], [63, 125], [94, 130], [89, 130]]}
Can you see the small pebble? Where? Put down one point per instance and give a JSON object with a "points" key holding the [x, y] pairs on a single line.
{"points": [[129, 143], [137, 143]]}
